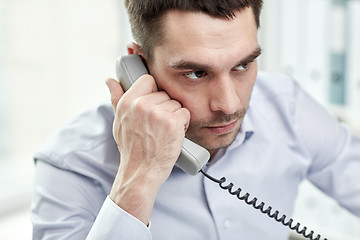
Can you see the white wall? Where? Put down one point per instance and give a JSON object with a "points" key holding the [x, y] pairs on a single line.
{"points": [[55, 57]]}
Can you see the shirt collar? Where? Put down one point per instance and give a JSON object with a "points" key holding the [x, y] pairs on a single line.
{"points": [[246, 131]]}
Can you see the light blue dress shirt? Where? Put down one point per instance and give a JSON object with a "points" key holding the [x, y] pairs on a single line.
{"points": [[286, 137]]}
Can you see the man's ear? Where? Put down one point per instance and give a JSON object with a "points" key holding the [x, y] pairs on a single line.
{"points": [[134, 48]]}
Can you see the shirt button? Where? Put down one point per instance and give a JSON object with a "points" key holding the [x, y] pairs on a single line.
{"points": [[226, 224]]}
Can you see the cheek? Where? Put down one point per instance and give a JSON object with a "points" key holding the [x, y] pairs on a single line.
{"points": [[194, 103], [191, 97], [245, 88], [244, 91]]}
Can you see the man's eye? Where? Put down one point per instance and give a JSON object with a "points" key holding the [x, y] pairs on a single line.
{"points": [[242, 67], [195, 74]]}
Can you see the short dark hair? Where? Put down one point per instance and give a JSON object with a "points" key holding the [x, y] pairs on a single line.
{"points": [[146, 16]]}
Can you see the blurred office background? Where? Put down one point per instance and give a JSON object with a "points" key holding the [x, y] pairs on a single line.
{"points": [[55, 56]]}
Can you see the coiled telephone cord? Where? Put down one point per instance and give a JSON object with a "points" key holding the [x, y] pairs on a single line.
{"points": [[267, 211]]}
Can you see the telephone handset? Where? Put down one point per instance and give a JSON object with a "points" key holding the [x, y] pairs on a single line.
{"points": [[192, 157]]}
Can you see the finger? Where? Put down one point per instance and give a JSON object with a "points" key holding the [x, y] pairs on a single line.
{"points": [[116, 91], [152, 99], [142, 86], [169, 105], [184, 114]]}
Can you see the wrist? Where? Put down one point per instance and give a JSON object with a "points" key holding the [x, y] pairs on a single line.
{"points": [[136, 195]]}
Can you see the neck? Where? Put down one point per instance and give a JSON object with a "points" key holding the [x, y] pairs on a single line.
{"points": [[212, 153]]}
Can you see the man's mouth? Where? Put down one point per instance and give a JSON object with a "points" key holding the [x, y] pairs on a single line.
{"points": [[222, 129]]}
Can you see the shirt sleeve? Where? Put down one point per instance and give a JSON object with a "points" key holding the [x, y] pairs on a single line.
{"points": [[126, 226], [68, 205], [334, 150]]}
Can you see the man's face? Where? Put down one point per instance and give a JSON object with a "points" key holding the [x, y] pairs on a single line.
{"points": [[209, 65]]}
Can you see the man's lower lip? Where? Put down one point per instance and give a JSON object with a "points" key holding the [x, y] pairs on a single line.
{"points": [[223, 129]]}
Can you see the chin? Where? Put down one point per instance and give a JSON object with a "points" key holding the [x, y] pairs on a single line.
{"points": [[221, 142]]}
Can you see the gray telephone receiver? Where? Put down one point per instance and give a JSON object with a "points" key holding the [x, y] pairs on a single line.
{"points": [[192, 157]]}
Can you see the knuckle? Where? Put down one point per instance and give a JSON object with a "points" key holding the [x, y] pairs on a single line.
{"points": [[147, 81], [186, 113], [171, 124], [175, 103], [124, 103], [155, 115], [164, 94], [162, 119], [140, 105]]}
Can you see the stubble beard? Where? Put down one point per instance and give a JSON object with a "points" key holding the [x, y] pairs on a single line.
{"points": [[198, 132]]}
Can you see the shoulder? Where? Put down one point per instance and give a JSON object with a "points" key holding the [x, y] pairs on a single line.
{"points": [[274, 93], [274, 105], [272, 85], [83, 143]]}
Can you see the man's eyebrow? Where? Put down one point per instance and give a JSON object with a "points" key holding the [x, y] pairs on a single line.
{"points": [[186, 65], [251, 57]]}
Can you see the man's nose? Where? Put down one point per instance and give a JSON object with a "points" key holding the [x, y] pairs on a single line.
{"points": [[224, 96]]}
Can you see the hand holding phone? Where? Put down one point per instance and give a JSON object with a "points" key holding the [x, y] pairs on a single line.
{"points": [[149, 129], [148, 144], [192, 157]]}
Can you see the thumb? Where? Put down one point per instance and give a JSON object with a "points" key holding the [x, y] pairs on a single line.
{"points": [[116, 91]]}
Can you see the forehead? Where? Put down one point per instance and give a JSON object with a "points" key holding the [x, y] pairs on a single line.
{"points": [[198, 35]]}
